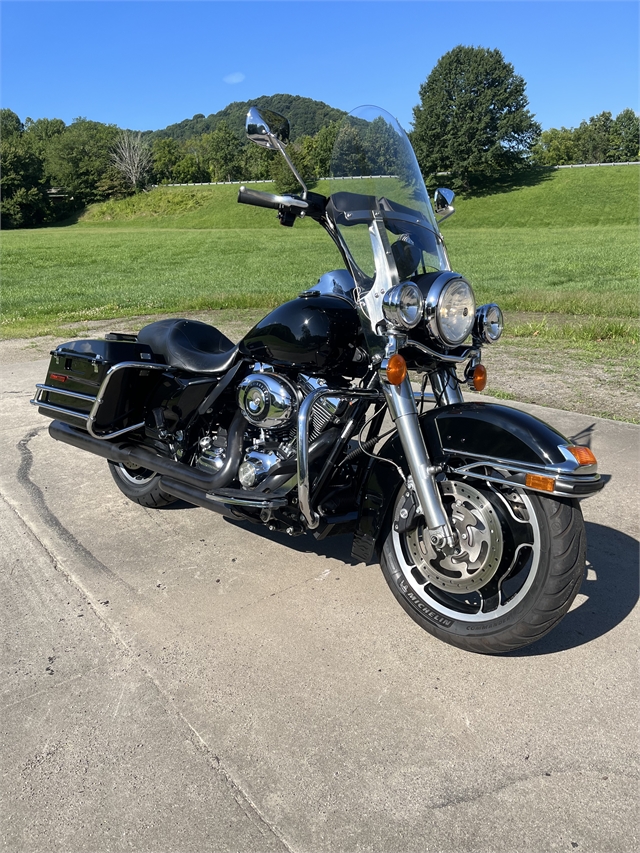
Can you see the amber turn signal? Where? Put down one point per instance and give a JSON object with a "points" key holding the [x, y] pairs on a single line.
{"points": [[479, 377], [396, 370], [540, 482], [584, 455]]}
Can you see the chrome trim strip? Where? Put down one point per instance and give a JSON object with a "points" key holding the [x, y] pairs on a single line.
{"points": [[86, 397], [561, 477], [59, 409], [304, 414], [565, 468]]}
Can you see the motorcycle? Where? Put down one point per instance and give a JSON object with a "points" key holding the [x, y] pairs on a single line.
{"points": [[471, 508]]}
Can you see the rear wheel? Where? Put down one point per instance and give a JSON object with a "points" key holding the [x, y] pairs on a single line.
{"points": [[520, 564], [140, 485]]}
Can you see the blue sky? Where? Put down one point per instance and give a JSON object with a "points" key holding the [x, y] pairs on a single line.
{"points": [[147, 64]]}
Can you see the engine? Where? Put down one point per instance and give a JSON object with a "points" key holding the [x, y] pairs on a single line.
{"points": [[270, 403]]}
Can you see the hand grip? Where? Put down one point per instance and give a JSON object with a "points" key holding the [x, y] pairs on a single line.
{"points": [[260, 199]]}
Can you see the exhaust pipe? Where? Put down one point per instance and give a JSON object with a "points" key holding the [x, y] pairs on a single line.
{"points": [[146, 458]]}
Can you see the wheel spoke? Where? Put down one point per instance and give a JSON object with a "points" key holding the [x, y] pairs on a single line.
{"points": [[490, 595]]}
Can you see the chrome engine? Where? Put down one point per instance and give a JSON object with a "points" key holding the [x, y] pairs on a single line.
{"points": [[269, 402]]}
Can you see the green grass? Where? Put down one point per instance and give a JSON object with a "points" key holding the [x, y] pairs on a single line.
{"points": [[54, 276], [563, 198], [565, 270], [567, 244]]}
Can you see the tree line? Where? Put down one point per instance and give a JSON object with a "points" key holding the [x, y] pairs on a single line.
{"points": [[472, 122]]}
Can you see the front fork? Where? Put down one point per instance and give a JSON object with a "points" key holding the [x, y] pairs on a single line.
{"points": [[402, 408]]}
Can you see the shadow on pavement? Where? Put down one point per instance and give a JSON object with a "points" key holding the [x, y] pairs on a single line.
{"points": [[611, 588]]}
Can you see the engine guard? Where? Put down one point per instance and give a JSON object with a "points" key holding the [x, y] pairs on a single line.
{"points": [[483, 441]]}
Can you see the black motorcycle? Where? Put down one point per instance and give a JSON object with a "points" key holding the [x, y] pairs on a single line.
{"points": [[471, 508]]}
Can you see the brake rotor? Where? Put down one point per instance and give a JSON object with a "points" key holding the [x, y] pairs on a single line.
{"points": [[479, 551]]}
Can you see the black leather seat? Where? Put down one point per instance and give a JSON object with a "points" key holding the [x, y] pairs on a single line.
{"points": [[190, 345]]}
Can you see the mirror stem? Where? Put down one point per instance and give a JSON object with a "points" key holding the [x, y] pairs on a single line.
{"points": [[283, 151]]}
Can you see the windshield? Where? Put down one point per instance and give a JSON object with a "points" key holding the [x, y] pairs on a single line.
{"points": [[375, 176]]}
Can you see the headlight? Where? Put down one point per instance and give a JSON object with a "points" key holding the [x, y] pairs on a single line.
{"points": [[402, 305], [489, 323], [450, 309]]}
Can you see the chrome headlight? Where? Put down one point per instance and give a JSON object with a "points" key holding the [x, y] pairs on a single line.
{"points": [[489, 323], [403, 305], [450, 309]]}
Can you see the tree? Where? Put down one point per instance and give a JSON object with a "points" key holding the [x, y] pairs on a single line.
{"points": [[22, 186], [555, 148], [39, 133], [625, 136], [10, 124], [472, 119], [221, 152], [131, 156], [166, 153], [593, 139], [323, 143], [79, 158]]}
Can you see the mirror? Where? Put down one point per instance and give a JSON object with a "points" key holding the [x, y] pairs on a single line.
{"points": [[443, 199], [443, 203], [265, 126]]}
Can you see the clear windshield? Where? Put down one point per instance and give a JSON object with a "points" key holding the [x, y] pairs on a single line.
{"points": [[374, 174]]}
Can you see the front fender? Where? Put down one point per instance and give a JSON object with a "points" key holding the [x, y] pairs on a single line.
{"points": [[483, 441]]}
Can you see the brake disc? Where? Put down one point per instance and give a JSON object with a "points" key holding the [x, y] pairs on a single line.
{"points": [[477, 556]]}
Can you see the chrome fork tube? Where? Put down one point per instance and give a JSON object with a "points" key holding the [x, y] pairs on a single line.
{"points": [[446, 386], [402, 407]]}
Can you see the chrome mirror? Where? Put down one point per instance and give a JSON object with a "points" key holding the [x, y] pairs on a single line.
{"points": [[264, 127], [443, 203], [271, 130]]}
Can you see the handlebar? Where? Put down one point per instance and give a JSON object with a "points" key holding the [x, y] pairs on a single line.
{"points": [[260, 199]]}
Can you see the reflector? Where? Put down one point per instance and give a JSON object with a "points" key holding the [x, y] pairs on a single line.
{"points": [[540, 482]]}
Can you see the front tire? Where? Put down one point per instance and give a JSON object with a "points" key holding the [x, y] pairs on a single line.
{"points": [[140, 485], [506, 590]]}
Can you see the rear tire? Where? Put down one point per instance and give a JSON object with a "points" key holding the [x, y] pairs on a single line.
{"points": [[140, 485], [530, 557]]}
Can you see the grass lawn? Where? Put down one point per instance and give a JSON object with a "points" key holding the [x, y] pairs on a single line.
{"points": [[567, 243]]}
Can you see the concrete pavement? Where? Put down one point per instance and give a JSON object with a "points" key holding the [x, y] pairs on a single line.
{"points": [[177, 682]]}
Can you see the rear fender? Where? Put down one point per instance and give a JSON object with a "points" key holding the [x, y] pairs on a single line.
{"points": [[484, 441]]}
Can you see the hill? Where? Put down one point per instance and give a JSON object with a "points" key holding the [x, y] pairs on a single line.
{"points": [[601, 196], [305, 115]]}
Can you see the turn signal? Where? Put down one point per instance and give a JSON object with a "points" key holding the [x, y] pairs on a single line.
{"points": [[540, 482], [584, 455], [479, 377], [396, 370]]}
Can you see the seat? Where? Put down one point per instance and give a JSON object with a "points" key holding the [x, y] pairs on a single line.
{"points": [[190, 345]]}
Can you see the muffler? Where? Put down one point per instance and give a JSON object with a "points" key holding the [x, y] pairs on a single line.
{"points": [[146, 458]]}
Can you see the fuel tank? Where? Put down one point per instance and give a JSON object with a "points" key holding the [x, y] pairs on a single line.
{"points": [[315, 333]]}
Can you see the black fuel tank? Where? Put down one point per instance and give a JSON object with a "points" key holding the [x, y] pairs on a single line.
{"points": [[314, 333]]}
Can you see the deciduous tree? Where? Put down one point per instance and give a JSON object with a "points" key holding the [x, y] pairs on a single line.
{"points": [[79, 158], [131, 156], [472, 119]]}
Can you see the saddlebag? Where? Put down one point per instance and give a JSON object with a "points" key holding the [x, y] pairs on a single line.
{"points": [[100, 385]]}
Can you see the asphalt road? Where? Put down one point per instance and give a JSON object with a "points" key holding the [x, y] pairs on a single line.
{"points": [[176, 682]]}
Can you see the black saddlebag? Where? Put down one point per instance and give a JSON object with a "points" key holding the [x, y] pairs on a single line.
{"points": [[101, 385]]}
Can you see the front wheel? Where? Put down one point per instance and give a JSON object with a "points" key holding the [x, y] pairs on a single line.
{"points": [[140, 485], [518, 567]]}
